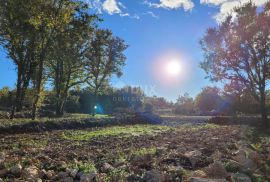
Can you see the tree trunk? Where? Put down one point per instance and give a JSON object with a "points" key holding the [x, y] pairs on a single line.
{"points": [[38, 89], [263, 108], [18, 93]]}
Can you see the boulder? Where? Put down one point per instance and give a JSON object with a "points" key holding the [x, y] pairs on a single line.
{"points": [[152, 176], [88, 177]]}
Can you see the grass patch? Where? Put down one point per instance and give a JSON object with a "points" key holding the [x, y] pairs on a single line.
{"points": [[146, 151], [121, 131], [86, 167]]}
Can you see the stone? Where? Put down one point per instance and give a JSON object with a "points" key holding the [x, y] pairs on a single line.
{"points": [[199, 173], [106, 167], [2, 157], [134, 178], [88, 177], [68, 179], [38, 180], [193, 156], [206, 180], [16, 170], [73, 173], [62, 175], [3, 173], [238, 177], [240, 156], [249, 165], [233, 166], [216, 170], [30, 172], [1, 180], [152, 176], [49, 174]]}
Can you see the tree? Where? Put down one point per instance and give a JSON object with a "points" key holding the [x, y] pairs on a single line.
{"points": [[18, 37], [49, 17], [104, 58], [184, 104], [208, 100], [66, 61], [238, 50]]}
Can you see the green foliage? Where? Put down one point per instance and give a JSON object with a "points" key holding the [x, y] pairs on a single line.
{"points": [[125, 131], [85, 167]]}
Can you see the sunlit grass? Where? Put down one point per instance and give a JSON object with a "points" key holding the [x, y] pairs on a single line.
{"points": [[120, 131], [68, 117]]}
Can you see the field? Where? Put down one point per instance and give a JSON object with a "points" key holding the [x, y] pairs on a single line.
{"points": [[180, 149]]}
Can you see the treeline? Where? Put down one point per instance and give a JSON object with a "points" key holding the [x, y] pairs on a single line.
{"points": [[214, 101], [57, 43], [210, 101]]}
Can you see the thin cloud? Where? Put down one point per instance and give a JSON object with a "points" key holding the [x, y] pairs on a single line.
{"points": [[172, 4], [227, 6]]}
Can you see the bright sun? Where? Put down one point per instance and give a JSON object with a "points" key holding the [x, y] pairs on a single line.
{"points": [[173, 67]]}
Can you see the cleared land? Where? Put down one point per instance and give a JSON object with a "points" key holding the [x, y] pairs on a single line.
{"points": [[140, 152]]}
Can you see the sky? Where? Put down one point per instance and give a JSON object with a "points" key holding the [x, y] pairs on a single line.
{"points": [[156, 32]]}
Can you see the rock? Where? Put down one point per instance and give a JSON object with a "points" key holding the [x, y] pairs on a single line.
{"points": [[68, 179], [1, 180], [216, 170], [199, 173], [62, 175], [193, 156], [106, 167], [88, 177], [3, 173], [30, 172], [38, 180], [134, 178], [217, 155], [73, 173], [2, 157], [238, 177], [2, 166], [79, 174], [16, 170], [61, 165], [206, 180], [152, 176], [240, 156], [233, 166], [249, 165], [144, 161], [49, 174]]}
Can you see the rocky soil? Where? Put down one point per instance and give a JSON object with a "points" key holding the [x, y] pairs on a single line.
{"points": [[196, 153]]}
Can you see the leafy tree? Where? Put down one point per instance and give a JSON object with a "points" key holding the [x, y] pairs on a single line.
{"points": [[209, 99], [66, 61], [238, 50], [104, 58], [184, 104], [18, 37], [49, 17]]}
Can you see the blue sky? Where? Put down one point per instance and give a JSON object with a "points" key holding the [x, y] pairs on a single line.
{"points": [[151, 29]]}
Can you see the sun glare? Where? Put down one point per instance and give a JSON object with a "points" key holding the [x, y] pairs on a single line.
{"points": [[173, 67]]}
